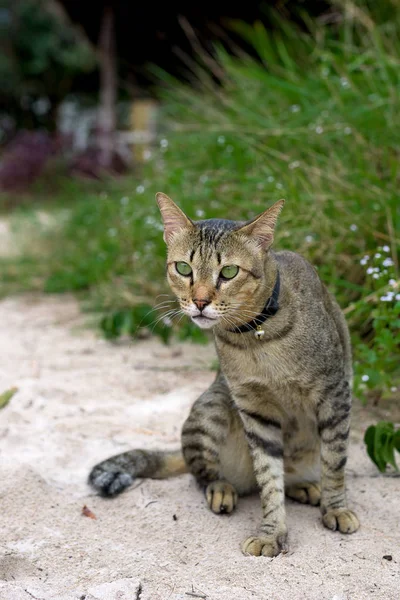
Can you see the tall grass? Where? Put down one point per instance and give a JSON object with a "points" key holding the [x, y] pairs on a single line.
{"points": [[315, 120]]}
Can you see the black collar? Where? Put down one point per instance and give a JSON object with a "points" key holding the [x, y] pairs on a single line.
{"points": [[270, 309]]}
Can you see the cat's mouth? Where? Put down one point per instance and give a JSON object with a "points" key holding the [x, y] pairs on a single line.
{"points": [[204, 322]]}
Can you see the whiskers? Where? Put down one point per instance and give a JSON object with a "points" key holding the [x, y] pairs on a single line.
{"points": [[169, 309]]}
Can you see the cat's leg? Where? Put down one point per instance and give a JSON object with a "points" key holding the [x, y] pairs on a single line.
{"points": [[203, 433], [264, 436], [334, 425]]}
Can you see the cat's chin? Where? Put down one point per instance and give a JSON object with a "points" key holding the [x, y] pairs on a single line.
{"points": [[204, 322]]}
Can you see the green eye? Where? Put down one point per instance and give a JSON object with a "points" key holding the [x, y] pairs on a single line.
{"points": [[230, 271], [183, 268]]}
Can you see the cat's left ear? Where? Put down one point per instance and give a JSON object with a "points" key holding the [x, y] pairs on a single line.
{"points": [[262, 228], [173, 218]]}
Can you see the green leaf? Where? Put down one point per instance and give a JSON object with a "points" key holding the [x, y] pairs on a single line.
{"points": [[396, 440], [369, 439], [388, 453], [382, 440], [6, 396]]}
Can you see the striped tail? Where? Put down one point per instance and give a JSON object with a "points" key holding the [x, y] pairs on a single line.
{"points": [[114, 475]]}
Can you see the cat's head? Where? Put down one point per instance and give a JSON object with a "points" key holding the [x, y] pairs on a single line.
{"points": [[216, 268]]}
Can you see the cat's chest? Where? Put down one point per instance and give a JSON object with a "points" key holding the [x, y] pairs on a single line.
{"points": [[269, 362]]}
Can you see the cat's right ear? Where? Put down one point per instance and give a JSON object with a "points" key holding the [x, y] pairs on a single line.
{"points": [[173, 218]]}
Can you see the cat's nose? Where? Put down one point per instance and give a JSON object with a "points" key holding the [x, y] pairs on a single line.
{"points": [[201, 303]]}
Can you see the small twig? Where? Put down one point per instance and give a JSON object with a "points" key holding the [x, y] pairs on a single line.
{"points": [[152, 502], [198, 594], [32, 596]]}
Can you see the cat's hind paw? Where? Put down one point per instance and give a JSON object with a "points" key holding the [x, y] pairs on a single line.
{"points": [[221, 497], [306, 493]]}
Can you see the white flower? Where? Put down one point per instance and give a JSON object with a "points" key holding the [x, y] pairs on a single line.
{"points": [[140, 189], [376, 275], [260, 186], [344, 82], [387, 262], [386, 249], [147, 155], [397, 296], [164, 143], [295, 108], [363, 261], [279, 186], [270, 179], [309, 238], [229, 148], [392, 282], [370, 270], [378, 255], [365, 378], [203, 178], [319, 129], [200, 213], [353, 227], [294, 164], [385, 298], [124, 201], [393, 389], [347, 130], [112, 232], [221, 140]]}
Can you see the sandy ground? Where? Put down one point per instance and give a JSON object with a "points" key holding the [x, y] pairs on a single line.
{"points": [[81, 399]]}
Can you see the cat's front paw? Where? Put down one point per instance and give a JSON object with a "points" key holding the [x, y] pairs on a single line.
{"points": [[221, 497], [109, 483], [265, 545], [341, 519]]}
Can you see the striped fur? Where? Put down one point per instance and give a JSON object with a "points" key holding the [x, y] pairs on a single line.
{"points": [[277, 416]]}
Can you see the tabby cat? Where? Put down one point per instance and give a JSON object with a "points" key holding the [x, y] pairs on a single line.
{"points": [[277, 416]]}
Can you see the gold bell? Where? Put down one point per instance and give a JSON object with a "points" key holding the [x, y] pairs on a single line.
{"points": [[259, 333]]}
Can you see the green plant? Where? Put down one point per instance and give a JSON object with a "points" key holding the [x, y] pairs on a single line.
{"points": [[315, 121], [382, 440], [377, 342]]}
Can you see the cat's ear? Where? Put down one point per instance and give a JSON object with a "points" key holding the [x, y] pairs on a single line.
{"points": [[262, 227], [173, 218]]}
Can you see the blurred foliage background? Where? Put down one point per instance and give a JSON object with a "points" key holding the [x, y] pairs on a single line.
{"points": [[292, 105]]}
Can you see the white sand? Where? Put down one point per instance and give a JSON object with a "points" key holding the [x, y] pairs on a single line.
{"points": [[81, 399]]}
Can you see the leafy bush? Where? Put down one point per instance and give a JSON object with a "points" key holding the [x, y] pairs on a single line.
{"points": [[316, 121]]}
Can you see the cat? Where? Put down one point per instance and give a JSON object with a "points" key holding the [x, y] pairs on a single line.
{"points": [[276, 419]]}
